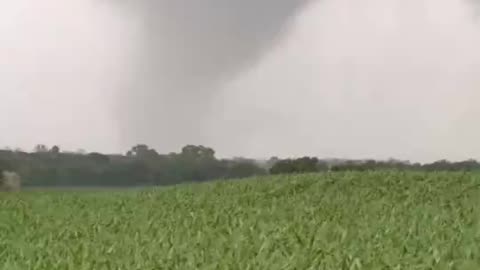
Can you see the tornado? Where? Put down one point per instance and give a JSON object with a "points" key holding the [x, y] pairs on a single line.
{"points": [[185, 52]]}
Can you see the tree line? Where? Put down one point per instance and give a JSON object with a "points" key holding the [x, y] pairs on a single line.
{"points": [[140, 166], [312, 164], [144, 166]]}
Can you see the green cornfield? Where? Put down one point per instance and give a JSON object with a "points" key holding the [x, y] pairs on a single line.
{"points": [[351, 220]]}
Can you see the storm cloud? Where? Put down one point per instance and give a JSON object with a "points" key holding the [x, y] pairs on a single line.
{"points": [[330, 78]]}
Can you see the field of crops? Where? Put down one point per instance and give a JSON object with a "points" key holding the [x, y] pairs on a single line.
{"points": [[378, 220]]}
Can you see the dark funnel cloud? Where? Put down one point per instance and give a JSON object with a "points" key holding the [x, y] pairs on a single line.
{"points": [[185, 52]]}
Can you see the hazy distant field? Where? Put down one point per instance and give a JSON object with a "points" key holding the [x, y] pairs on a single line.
{"points": [[81, 188], [337, 221]]}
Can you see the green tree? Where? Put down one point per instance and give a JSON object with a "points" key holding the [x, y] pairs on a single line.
{"points": [[41, 148], [55, 150]]}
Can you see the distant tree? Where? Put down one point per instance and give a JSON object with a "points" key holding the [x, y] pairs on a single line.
{"points": [[244, 168], [300, 165], [99, 158], [142, 151], [198, 152], [81, 151], [55, 149], [272, 161], [41, 148]]}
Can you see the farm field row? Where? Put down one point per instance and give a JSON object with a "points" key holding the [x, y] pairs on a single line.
{"points": [[368, 220]]}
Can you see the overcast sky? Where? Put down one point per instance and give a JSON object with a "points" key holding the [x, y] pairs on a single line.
{"points": [[355, 79]]}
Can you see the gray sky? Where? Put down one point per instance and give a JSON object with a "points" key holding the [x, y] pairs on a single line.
{"points": [[55, 56], [357, 79]]}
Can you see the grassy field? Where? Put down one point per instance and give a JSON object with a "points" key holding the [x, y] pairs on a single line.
{"points": [[382, 220]]}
